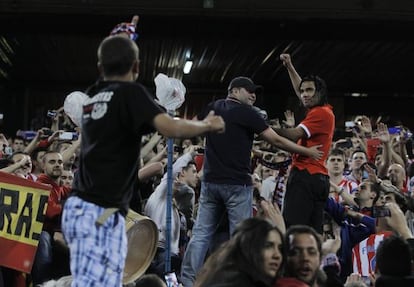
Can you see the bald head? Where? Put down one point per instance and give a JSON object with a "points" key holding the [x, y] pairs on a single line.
{"points": [[396, 174]]}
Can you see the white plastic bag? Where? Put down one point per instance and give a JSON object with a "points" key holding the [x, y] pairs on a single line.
{"points": [[170, 92], [73, 106]]}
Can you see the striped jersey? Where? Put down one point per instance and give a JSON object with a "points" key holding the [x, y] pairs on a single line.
{"points": [[363, 253]]}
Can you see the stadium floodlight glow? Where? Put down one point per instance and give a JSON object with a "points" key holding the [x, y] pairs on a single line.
{"points": [[187, 66]]}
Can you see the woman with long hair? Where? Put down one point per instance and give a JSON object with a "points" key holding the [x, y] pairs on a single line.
{"points": [[252, 257]]}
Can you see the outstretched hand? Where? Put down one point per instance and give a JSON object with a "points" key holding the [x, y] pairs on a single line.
{"points": [[216, 122], [272, 213], [365, 125], [290, 119], [382, 133]]}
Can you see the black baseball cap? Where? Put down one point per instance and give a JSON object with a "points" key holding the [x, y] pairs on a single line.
{"points": [[247, 83]]}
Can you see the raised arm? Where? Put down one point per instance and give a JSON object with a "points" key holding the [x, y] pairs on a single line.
{"points": [[293, 74], [149, 170], [16, 165], [34, 142], [155, 139], [385, 138], [68, 153]]}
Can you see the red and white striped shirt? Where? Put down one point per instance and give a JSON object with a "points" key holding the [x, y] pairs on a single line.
{"points": [[363, 254]]}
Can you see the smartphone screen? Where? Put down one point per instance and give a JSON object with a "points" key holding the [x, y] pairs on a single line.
{"points": [[349, 124], [381, 211], [51, 114], [66, 136]]}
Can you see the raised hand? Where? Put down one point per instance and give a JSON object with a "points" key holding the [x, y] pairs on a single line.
{"points": [[290, 119], [286, 60], [272, 213], [365, 125], [127, 29], [382, 133]]}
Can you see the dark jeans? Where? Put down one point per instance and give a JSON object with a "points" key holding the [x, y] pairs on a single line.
{"points": [[305, 199], [51, 260], [42, 265]]}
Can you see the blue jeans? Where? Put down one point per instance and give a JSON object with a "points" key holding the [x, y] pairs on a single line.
{"points": [[215, 199]]}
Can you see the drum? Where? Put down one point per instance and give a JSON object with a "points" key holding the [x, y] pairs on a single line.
{"points": [[142, 234]]}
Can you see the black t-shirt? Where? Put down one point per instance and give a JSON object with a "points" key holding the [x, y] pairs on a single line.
{"points": [[228, 155], [114, 118]]}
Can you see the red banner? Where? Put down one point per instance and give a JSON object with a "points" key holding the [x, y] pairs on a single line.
{"points": [[23, 206]]}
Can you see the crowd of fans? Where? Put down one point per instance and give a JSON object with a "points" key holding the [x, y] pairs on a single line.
{"points": [[369, 212]]}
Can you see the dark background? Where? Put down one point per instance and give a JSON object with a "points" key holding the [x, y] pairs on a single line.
{"points": [[48, 49]]}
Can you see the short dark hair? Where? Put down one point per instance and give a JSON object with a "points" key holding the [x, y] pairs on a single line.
{"points": [[116, 55], [336, 151], [189, 165], [358, 150], [375, 187], [302, 229], [394, 256]]}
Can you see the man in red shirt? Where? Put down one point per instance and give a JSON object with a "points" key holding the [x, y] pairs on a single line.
{"points": [[308, 184], [52, 170]]}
